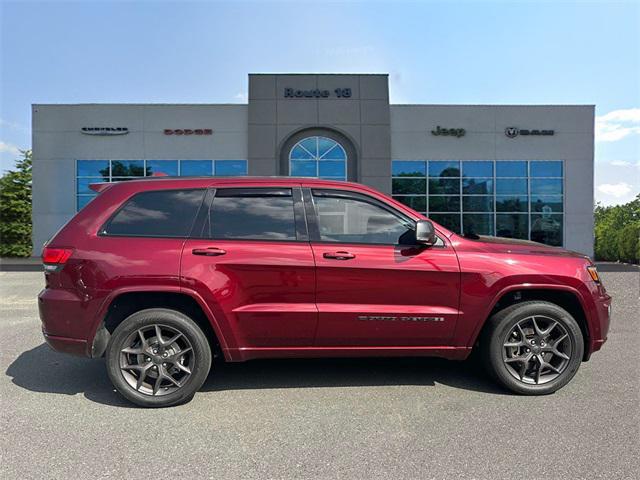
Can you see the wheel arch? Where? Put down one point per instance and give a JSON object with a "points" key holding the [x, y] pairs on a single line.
{"points": [[566, 298], [124, 303]]}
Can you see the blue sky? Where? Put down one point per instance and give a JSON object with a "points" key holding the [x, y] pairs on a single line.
{"points": [[452, 52]]}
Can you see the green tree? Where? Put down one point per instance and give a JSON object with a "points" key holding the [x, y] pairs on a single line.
{"points": [[15, 209], [617, 232]]}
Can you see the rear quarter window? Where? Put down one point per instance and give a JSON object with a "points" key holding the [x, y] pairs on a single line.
{"points": [[162, 213]]}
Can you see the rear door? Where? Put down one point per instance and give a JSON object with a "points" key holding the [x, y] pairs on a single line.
{"points": [[251, 261], [375, 286]]}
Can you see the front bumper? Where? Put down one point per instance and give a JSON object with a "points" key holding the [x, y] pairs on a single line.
{"points": [[602, 323]]}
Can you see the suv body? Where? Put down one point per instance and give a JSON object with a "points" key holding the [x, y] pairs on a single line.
{"points": [[286, 267]]}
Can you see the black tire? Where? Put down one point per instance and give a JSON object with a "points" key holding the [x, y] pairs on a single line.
{"points": [[504, 324], [198, 355]]}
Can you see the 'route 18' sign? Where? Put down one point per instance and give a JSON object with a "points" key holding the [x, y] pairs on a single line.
{"points": [[316, 93]]}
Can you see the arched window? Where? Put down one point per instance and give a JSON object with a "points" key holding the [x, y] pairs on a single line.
{"points": [[319, 157]]}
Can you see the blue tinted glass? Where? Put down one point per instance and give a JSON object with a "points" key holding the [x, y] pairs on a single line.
{"points": [[477, 169], [511, 169], [303, 168], [546, 186], [299, 153], [408, 168], [477, 186], [168, 167], [93, 168], [310, 145], [325, 145], [329, 168], [480, 224], [82, 200], [444, 169], [511, 186], [546, 203], [546, 169], [229, 168], [83, 184], [195, 167], [336, 153], [127, 168]]}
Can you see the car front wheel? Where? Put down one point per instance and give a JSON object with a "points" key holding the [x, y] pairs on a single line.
{"points": [[158, 358], [533, 348]]}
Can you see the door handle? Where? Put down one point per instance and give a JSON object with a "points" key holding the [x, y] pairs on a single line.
{"points": [[339, 255], [209, 252]]}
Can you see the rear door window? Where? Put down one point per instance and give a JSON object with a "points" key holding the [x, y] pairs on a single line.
{"points": [[161, 213], [252, 214]]}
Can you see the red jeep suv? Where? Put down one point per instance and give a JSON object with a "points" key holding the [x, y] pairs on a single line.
{"points": [[159, 275]]}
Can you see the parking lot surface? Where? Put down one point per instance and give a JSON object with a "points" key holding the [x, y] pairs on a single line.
{"points": [[352, 419]]}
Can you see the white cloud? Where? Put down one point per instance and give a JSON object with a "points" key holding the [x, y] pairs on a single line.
{"points": [[625, 163], [618, 124], [242, 96], [617, 190], [9, 149]]}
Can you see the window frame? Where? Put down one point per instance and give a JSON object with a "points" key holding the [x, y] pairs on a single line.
{"points": [[202, 219], [318, 158], [102, 230], [313, 221]]}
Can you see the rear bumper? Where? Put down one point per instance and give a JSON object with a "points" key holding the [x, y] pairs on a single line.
{"points": [[72, 346]]}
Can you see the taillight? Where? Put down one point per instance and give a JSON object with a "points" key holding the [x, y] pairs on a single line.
{"points": [[55, 258]]}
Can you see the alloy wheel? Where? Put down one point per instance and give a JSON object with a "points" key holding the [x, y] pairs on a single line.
{"points": [[156, 360], [537, 350]]}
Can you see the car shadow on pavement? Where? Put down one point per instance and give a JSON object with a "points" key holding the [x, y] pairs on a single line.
{"points": [[42, 370]]}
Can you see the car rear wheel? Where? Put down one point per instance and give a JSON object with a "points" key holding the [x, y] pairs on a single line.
{"points": [[158, 358], [533, 348]]}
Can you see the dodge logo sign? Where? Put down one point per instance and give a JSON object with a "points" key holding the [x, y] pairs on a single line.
{"points": [[104, 130], [188, 131], [513, 132]]}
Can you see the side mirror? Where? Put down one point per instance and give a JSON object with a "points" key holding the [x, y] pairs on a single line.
{"points": [[425, 233]]}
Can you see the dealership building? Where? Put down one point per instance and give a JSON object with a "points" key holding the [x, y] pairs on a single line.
{"points": [[521, 171]]}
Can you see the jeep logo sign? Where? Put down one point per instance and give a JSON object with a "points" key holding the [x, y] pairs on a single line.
{"points": [[452, 132], [513, 132]]}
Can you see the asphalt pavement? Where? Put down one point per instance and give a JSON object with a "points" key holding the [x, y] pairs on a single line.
{"points": [[350, 419]]}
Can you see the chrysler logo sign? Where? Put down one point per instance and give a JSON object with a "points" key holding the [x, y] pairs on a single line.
{"points": [[513, 132], [104, 130]]}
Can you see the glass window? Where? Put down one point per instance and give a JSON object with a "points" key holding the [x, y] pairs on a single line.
{"points": [[546, 186], [477, 186], [82, 200], [547, 228], [162, 213], [230, 168], [253, 214], [480, 224], [477, 169], [546, 169], [444, 169], [417, 202], [408, 168], [511, 169], [127, 168], [409, 186], [477, 203], [444, 186], [350, 220], [93, 168], [444, 203], [512, 225], [196, 168], [318, 157], [546, 204], [160, 167], [510, 186], [512, 203], [447, 220]]}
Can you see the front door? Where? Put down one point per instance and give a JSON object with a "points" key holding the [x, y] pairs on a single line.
{"points": [[252, 263], [375, 287]]}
